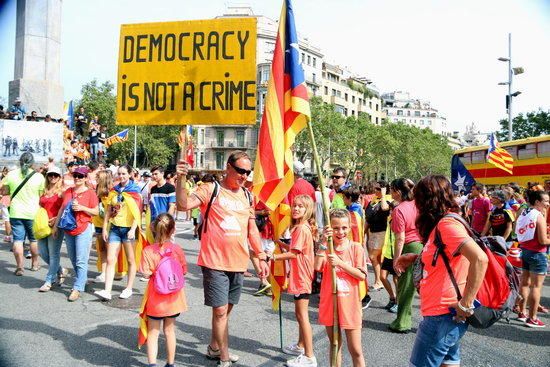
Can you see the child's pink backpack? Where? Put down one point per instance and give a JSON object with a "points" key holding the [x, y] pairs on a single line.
{"points": [[168, 277]]}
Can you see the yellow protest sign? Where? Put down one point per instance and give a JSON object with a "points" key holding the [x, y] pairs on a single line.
{"points": [[190, 72]]}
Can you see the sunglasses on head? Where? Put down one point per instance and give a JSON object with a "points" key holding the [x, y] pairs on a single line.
{"points": [[78, 175], [335, 177], [240, 171]]}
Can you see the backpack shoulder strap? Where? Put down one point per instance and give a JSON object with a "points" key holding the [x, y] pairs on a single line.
{"points": [[215, 193], [441, 251], [248, 196]]}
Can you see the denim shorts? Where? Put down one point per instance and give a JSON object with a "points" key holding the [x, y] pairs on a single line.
{"points": [[118, 234], [22, 228], [534, 262], [437, 342], [221, 287]]}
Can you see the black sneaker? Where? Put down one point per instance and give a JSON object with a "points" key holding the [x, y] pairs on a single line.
{"points": [[366, 302]]}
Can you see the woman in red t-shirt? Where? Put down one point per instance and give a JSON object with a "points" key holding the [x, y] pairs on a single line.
{"points": [[438, 337], [50, 247], [85, 206]]}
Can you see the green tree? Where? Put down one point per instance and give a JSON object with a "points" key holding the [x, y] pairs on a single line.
{"points": [[156, 145], [534, 123]]}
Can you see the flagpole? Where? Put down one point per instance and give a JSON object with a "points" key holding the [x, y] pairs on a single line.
{"points": [[135, 146], [335, 319], [280, 322], [183, 143]]}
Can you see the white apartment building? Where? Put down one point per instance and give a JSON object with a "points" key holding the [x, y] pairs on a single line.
{"points": [[400, 107], [214, 143]]}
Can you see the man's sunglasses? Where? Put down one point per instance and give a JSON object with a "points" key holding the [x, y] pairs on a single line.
{"points": [[334, 177], [78, 175], [241, 171]]}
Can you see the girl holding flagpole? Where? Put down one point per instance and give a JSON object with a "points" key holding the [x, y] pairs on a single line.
{"points": [[349, 262], [301, 256]]}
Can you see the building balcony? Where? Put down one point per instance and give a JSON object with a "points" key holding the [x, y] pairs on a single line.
{"points": [[230, 144]]}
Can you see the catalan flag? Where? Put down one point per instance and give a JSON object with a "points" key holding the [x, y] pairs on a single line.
{"points": [[117, 138], [499, 157], [286, 113]]}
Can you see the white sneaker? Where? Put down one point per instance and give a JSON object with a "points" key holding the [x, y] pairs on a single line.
{"points": [[293, 349], [302, 361], [143, 279], [126, 293], [100, 278], [103, 294]]}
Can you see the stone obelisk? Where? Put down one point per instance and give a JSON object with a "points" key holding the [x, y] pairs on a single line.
{"points": [[37, 79]]}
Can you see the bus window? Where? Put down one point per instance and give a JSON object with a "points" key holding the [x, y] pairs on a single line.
{"points": [[465, 158], [543, 149], [513, 150], [527, 151], [479, 156]]}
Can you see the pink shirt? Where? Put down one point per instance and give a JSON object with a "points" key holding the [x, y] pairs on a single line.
{"points": [[301, 268], [481, 207], [404, 220]]}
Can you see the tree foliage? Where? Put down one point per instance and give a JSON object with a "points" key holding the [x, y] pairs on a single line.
{"points": [[156, 145], [391, 150], [534, 123]]}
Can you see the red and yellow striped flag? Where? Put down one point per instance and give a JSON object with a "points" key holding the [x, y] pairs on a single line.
{"points": [[286, 113], [499, 157]]}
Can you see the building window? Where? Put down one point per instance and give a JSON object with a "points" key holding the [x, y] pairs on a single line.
{"points": [[240, 138], [370, 106], [345, 111], [408, 113], [314, 62], [422, 122], [399, 112], [200, 134], [220, 134], [353, 112], [339, 93], [377, 120], [346, 96], [326, 91], [314, 77], [308, 60], [201, 159], [376, 105], [219, 160], [352, 99], [334, 92], [417, 113]]}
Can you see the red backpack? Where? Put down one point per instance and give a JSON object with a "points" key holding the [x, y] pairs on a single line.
{"points": [[500, 286]]}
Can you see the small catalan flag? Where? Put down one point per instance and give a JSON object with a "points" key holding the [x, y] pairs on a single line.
{"points": [[499, 157], [117, 138]]}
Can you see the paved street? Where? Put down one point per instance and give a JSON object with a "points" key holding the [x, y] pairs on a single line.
{"points": [[46, 330]]}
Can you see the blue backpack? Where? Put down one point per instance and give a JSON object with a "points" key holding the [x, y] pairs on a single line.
{"points": [[67, 221]]}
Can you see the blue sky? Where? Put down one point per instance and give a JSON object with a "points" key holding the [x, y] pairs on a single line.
{"points": [[443, 51]]}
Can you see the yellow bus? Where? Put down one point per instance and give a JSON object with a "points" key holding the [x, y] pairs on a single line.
{"points": [[531, 162]]}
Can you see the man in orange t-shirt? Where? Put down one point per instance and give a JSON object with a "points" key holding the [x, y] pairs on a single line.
{"points": [[227, 232]]}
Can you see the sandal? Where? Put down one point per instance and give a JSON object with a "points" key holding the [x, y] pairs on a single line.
{"points": [[45, 288], [35, 268], [18, 272]]}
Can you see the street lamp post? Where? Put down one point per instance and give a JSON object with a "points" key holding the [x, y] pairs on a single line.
{"points": [[511, 73]]}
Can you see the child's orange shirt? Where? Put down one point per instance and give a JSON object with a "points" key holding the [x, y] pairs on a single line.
{"points": [[301, 268], [162, 305], [349, 301]]}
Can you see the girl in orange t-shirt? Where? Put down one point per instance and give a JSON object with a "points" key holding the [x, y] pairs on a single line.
{"points": [[301, 259], [158, 306], [350, 266]]}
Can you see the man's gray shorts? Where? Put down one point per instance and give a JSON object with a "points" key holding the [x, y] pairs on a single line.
{"points": [[221, 287]]}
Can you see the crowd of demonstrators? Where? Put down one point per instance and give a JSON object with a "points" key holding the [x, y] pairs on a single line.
{"points": [[394, 230]]}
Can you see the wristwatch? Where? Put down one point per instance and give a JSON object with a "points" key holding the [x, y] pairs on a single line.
{"points": [[465, 309]]}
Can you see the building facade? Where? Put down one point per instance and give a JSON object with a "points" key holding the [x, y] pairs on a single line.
{"points": [[400, 107]]}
